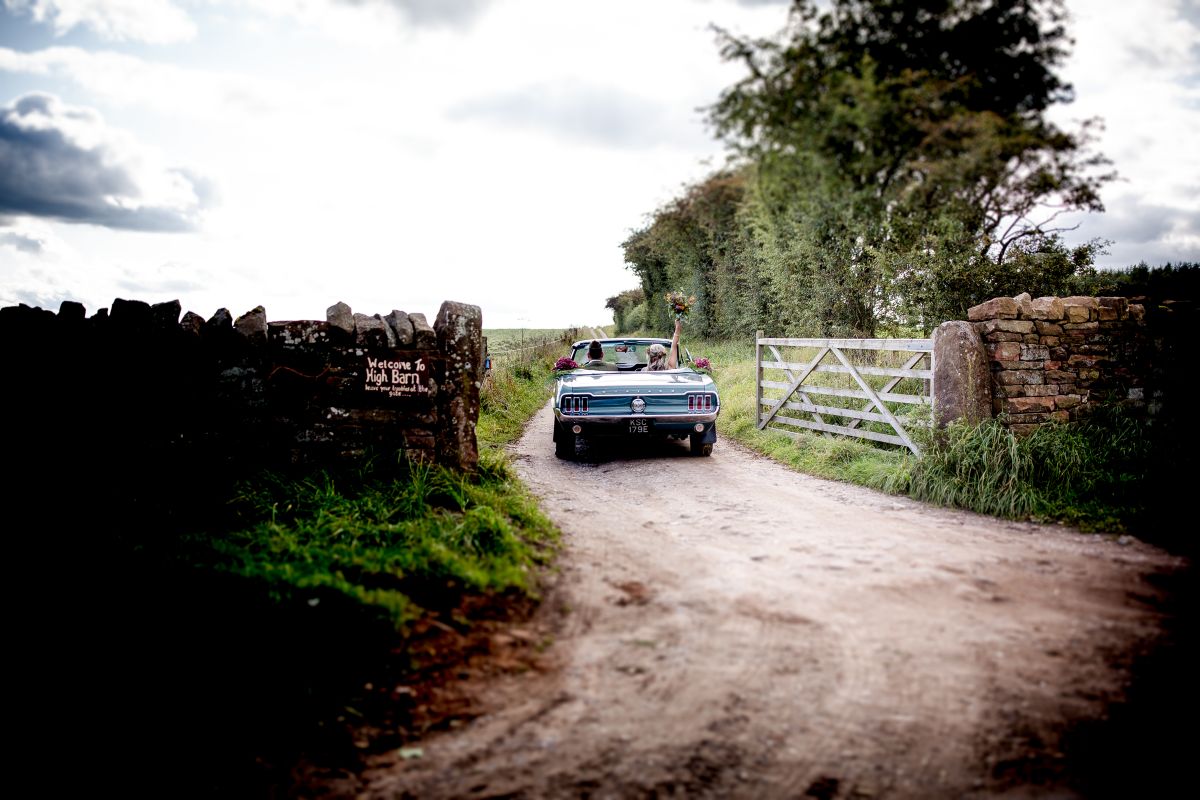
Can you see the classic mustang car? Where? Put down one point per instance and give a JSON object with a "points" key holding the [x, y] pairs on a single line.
{"points": [[627, 401]]}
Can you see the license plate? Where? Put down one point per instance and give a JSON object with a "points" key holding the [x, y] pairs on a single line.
{"points": [[639, 426]]}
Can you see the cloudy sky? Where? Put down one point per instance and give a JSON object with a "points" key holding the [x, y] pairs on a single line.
{"points": [[398, 153]]}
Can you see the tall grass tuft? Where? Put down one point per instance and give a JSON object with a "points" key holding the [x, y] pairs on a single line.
{"points": [[1093, 473]]}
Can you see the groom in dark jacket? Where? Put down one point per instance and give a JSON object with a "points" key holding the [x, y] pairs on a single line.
{"points": [[596, 358]]}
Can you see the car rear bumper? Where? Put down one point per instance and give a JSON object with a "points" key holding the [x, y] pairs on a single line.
{"points": [[621, 419], [675, 425]]}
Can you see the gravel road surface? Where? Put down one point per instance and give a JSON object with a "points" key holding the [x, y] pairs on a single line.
{"points": [[725, 627]]}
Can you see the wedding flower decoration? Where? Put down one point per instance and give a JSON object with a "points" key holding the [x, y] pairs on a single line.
{"points": [[680, 304], [564, 364], [703, 363]]}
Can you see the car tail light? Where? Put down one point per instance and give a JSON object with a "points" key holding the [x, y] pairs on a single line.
{"points": [[691, 402], [574, 404]]}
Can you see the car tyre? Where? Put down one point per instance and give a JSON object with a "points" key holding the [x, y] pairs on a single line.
{"points": [[698, 446], [564, 443]]}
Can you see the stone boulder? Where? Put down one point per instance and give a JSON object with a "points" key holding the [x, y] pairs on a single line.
{"points": [[341, 317], [424, 337], [962, 374], [253, 325], [402, 328], [370, 331]]}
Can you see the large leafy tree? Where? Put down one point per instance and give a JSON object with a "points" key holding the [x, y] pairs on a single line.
{"points": [[690, 246], [902, 148]]}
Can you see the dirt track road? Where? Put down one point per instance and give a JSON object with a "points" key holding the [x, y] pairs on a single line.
{"points": [[724, 627]]}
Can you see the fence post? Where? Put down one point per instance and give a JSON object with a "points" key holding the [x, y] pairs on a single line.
{"points": [[757, 378]]}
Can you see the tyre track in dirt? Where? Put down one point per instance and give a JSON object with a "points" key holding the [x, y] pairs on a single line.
{"points": [[725, 627]]}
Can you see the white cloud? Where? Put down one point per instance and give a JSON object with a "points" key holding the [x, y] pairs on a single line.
{"points": [[151, 21], [568, 109], [20, 241], [63, 162], [1135, 66], [356, 24], [125, 80], [433, 13]]}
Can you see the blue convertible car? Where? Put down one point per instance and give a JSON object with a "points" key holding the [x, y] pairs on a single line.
{"points": [[627, 401]]}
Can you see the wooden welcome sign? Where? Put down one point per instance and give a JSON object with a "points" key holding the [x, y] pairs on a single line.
{"points": [[402, 373]]}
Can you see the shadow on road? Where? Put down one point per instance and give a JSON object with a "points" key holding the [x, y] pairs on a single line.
{"points": [[603, 451]]}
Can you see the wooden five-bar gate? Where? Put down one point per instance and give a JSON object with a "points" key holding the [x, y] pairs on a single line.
{"points": [[869, 392]]}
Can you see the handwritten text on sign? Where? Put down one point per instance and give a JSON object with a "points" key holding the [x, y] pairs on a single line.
{"points": [[397, 377]]}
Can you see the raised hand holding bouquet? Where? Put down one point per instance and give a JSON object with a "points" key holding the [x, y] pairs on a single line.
{"points": [[680, 304]]}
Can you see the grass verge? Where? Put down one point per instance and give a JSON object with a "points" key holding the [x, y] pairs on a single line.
{"points": [[399, 545], [511, 394]]}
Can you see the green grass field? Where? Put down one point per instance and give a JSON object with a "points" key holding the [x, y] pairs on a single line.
{"points": [[510, 338], [504, 340]]}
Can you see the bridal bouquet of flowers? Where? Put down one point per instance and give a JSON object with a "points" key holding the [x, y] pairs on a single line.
{"points": [[702, 364], [680, 304], [565, 365]]}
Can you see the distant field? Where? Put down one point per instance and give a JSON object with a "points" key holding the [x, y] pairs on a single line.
{"points": [[501, 340], [505, 338]]}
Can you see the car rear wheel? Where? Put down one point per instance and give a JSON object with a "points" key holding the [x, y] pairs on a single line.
{"points": [[698, 447], [564, 443]]}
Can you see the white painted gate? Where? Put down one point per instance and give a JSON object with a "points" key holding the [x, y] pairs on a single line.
{"points": [[798, 370]]}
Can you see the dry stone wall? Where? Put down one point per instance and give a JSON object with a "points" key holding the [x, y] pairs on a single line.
{"points": [[1056, 359], [137, 387]]}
